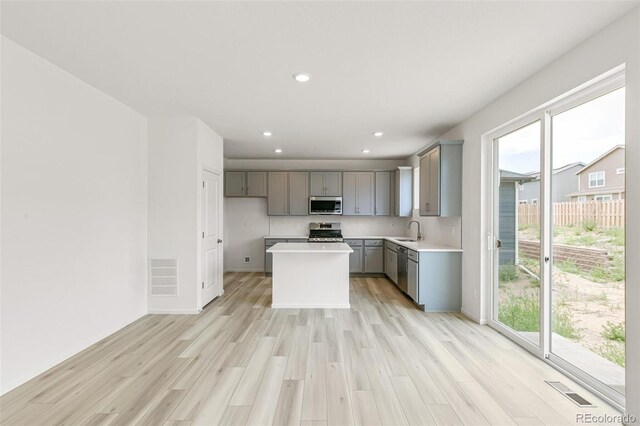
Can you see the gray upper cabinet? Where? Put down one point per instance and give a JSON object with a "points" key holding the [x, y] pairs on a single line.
{"points": [[277, 197], [383, 194], [245, 184], [441, 180], [358, 193], [403, 194], [325, 183], [256, 184], [298, 193], [234, 184]]}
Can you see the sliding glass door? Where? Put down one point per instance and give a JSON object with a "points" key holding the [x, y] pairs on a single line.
{"points": [[559, 235], [517, 295], [588, 235]]}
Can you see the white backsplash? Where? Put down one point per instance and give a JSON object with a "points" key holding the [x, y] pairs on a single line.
{"points": [[351, 225], [440, 230]]}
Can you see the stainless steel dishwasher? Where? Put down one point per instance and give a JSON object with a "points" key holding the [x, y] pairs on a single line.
{"points": [[402, 269]]}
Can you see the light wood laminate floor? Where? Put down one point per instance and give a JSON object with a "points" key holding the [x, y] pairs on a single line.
{"points": [[240, 362]]}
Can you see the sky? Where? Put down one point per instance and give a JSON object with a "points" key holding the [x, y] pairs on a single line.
{"points": [[579, 134]]}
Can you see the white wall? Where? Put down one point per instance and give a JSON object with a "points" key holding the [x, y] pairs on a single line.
{"points": [[617, 44], [73, 215], [178, 149], [172, 207], [246, 220]]}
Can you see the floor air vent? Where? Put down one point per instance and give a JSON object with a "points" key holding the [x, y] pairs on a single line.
{"points": [[576, 398]]}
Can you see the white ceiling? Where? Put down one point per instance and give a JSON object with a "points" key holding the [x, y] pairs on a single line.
{"points": [[410, 69]]}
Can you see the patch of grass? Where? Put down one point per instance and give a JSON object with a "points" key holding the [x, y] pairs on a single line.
{"points": [[568, 266], [563, 324], [613, 351], [606, 275], [534, 226], [508, 273], [522, 313], [613, 331], [615, 236], [589, 225]]}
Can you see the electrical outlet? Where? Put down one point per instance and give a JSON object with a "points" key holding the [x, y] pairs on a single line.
{"points": [[247, 259]]}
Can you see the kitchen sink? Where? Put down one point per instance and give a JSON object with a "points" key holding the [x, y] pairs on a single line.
{"points": [[406, 240]]}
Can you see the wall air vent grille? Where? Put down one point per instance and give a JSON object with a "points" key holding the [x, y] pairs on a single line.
{"points": [[163, 277]]}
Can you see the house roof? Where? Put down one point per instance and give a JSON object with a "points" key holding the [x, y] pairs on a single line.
{"points": [[509, 176], [601, 157], [559, 169]]}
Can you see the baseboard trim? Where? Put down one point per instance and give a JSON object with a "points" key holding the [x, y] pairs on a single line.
{"points": [[310, 306], [174, 311], [473, 317]]}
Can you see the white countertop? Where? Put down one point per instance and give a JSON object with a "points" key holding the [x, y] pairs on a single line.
{"points": [[419, 246], [424, 245], [286, 237], [310, 248]]}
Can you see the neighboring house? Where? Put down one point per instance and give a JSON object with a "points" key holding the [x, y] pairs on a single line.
{"points": [[508, 214], [603, 179], [565, 182]]}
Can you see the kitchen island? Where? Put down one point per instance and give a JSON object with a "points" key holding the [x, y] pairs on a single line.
{"points": [[310, 275]]}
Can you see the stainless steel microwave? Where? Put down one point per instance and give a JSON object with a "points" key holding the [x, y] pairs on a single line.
{"points": [[325, 205]]}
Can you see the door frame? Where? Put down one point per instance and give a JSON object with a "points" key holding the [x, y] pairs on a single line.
{"points": [[587, 92], [200, 228]]}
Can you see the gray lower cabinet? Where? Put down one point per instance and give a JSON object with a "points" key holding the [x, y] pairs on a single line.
{"points": [[391, 263], [412, 279], [356, 258], [374, 260], [374, 256], [434, 280], [277, 198], [268, 257], [298, 193]]}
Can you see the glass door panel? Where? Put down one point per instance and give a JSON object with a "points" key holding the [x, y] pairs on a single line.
{"points": [[588, 238], [517, 224]]}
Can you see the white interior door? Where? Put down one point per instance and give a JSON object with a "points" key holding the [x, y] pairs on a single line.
{"points": [[211, 260]]}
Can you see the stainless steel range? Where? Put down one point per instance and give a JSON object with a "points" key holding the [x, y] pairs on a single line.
{"points": [[325, 232]]}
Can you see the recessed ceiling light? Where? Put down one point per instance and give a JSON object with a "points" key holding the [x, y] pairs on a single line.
{"points": [[302, 77], [277, 150], [366, 151], [378, 134], [267, 133]]}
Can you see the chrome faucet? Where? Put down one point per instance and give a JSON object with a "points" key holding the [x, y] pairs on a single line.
{"points": [[419, 233]]}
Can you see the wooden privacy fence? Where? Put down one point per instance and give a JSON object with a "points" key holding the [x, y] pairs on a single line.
{"points": [[605, 214]]}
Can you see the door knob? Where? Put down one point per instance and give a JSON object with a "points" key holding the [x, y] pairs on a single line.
{"points": [[219, 241]]}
